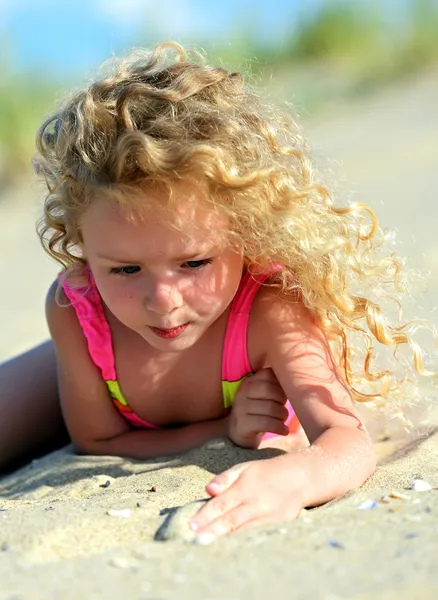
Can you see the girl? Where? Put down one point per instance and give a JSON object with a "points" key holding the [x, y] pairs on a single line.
{"points": [[206, 278]]}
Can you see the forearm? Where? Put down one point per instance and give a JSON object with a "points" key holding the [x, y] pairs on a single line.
{"points": [[341, 459], [142, 444]]}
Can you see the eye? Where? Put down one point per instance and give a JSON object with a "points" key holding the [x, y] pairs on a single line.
{"points": [[125, 271], [197, 264]]}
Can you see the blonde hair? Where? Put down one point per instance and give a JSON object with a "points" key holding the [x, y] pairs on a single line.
{"points": [[163, 116]]}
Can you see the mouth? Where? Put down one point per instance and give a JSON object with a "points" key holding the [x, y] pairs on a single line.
{"points": [[170, 333]]}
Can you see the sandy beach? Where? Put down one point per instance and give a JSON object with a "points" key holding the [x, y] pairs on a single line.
{"points": [[59, 540], [84, 527]]}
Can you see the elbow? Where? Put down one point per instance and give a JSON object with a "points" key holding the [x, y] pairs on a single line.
{"points": [[81, 448], [88, 447], [370, 465], [369, 459]]}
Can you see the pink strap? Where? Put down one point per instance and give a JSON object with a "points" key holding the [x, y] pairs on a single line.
{"points": [[235, 362], [136, 421], [88, 306]]}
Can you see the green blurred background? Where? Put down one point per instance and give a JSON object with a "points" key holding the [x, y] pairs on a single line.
{"points": [[313, 53]]}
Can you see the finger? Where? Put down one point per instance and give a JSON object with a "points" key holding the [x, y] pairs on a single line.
{"points": [[242, 517], [263, 424], [245, 515], [266, 389], [266, 374], [267, 408], [218, 506], [228, 521], [225, 480]]}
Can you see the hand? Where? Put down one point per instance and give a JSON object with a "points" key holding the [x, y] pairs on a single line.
{"points": [[251, 493], [259, 407]]}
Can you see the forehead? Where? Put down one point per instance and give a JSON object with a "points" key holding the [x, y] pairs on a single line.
{"points": [[184, 221]]}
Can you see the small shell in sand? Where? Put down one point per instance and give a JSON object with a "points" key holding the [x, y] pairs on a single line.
{"points": [[119, 512], [367, 504], [399, 496], [419, 485]]}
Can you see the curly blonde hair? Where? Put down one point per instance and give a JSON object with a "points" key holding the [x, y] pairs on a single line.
{"points": [[164, 115]]}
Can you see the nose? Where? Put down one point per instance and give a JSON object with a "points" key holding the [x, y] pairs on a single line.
{"points": [[162, 296]]}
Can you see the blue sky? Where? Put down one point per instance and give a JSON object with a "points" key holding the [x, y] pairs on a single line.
{"points": [[65, 37]]}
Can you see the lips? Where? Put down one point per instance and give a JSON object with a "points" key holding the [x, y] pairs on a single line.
{"points": [[169, 333]]}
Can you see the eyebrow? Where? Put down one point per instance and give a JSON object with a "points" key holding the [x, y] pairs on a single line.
{"points": [[181, 258], [117, 260]]}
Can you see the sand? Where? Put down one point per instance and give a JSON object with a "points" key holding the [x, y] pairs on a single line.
{"points": [[83, 527], [60, 540]]}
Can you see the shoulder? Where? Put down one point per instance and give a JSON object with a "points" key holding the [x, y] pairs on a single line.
{"points": [[280, 322], [62, 319], [54, 294], [89, 415], [274, 310], [70, 295], [58, 306]]}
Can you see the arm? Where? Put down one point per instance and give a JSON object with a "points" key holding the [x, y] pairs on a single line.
{"points": [[340, 456], [93, 422], [143, 444], [31, 422]]}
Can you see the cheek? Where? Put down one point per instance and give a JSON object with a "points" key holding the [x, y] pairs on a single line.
{"points": [[116, 293], [218, 288]]}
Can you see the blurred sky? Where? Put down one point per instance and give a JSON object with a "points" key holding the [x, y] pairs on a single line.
{"points": [[62, 38]]}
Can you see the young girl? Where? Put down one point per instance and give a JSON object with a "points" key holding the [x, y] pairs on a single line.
{"points": [[206, 278]]}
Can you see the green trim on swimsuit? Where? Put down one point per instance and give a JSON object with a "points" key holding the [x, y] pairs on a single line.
{"points": [[229, 390], [116, 392]]}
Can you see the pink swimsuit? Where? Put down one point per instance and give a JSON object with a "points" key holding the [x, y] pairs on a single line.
{"points": [[235, 363]]}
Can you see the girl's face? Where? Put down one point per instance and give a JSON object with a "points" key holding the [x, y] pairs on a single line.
{"points": [[168, 285]]}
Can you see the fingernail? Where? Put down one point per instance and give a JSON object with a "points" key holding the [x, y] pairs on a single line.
{"points": [[215, 486], [204, 539], [194, 526]]}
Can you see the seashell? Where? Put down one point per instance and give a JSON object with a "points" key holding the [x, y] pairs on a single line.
{"points": [[399, 496], [123, 563], [119, 512], [419, 485], [335, 544], [176, 525], [367, 504], [204, 539]]}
